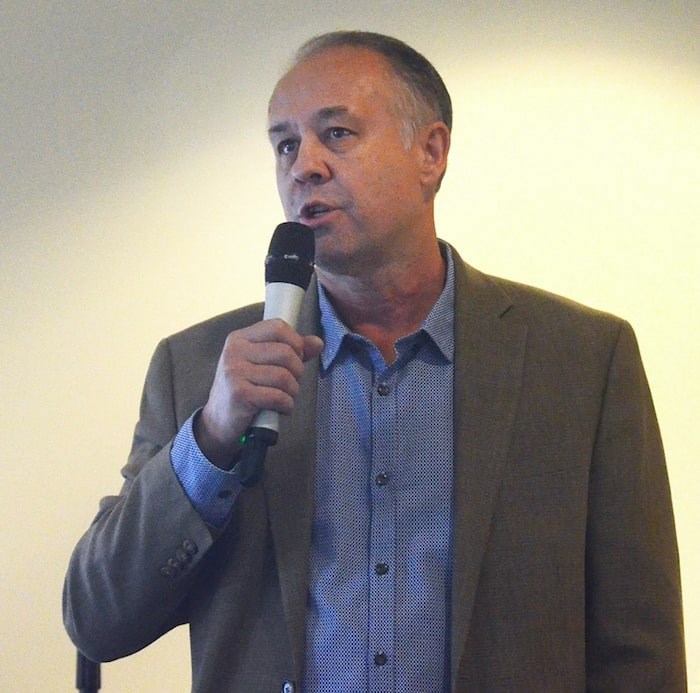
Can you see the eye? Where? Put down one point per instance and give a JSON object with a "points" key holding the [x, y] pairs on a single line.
{"points": [[286, 147], [338, 133]]}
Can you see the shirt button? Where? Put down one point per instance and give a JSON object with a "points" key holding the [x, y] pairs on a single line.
{"points": [[381, 569], [380, 659], [381, 479], [383, 389]]}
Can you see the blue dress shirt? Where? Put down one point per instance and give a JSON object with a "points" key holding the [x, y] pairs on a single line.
{"points": [[379, 594]]}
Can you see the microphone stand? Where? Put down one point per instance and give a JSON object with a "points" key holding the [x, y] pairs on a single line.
{"points": [[87, 675]]}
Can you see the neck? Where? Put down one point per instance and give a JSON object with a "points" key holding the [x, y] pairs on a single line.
{"points": [[388, 304]]}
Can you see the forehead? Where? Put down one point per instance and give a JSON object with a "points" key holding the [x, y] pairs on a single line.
{"points": [[334, 78]]}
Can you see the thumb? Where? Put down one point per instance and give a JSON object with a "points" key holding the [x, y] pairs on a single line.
{"points": [[313, 346]]}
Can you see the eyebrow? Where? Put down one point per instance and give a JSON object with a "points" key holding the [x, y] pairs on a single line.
{"points": [[326, 113]]}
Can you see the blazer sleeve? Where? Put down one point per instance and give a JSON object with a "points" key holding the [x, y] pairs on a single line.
{"points": [[129, 575], [633, 601]]}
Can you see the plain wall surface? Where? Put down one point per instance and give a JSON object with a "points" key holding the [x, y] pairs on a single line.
{"points": [[137, 197]]}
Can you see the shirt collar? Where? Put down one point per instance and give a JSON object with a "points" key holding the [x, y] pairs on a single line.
{"points": [[438, 325]]}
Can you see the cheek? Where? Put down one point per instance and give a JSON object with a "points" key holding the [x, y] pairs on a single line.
{"points": [[391, 168], [283, 190], [389, 184]]}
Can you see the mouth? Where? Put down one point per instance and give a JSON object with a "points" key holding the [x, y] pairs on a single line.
{"points": [[313, 211]]}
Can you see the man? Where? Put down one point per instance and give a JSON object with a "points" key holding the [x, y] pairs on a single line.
{"points": [[469, 490]]}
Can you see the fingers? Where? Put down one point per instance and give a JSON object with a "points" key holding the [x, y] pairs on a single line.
{"points": [[274, 347], [259, 368]]}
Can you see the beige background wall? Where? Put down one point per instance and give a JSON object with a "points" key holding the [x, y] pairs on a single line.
{"points": [[137, 196]]}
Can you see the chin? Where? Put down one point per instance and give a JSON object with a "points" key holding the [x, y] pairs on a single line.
{"points": [[338, 253]]}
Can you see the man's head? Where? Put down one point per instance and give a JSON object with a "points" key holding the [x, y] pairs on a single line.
{"points": [[359, 152], [422, 97]]}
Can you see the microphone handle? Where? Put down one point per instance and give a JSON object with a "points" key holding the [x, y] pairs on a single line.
{"points": [[282, 300]]}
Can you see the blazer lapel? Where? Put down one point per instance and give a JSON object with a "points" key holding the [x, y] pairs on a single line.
{"points": [[289, 490], [489, 356]]}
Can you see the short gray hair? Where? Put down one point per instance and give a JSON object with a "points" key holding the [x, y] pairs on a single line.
{"points": [[423, 96]]}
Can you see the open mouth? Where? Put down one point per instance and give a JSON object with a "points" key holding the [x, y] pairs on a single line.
{"points": [[314, 211]]}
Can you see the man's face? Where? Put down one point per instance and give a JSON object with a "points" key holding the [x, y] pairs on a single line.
{"points": [[342, 167]]}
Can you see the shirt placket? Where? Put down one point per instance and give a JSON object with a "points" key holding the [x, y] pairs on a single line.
{"points": [[382, 550]]}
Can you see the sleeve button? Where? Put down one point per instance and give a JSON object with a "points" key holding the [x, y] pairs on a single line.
{"points": [[182, 556], [190, 547]]}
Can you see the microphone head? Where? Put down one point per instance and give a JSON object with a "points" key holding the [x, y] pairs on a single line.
{"points": [[290, 258]]}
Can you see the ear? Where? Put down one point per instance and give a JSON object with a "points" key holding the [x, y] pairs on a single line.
{"points": [[435, 145]]}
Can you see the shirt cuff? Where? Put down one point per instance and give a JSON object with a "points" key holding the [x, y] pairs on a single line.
{"points": [[211, 490]]}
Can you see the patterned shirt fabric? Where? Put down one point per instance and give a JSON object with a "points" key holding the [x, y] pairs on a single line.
{"points": [[379, 598], [211, 490], [379, 589]]}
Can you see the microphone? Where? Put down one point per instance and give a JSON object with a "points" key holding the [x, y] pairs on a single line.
{"points": [[288, 268]]}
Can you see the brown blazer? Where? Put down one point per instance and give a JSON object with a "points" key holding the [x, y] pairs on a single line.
{"points": [[565, 562]]}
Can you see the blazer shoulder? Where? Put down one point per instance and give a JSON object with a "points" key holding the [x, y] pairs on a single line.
{"points": [[212, 333], [535, 302], [553, 322], [486, 294], [216, 329]]}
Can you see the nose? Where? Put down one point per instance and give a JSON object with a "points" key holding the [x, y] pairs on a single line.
{"points": [[310, 165]]}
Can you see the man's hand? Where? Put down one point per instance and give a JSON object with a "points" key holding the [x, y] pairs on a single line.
{"points": [[259, 368]]}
